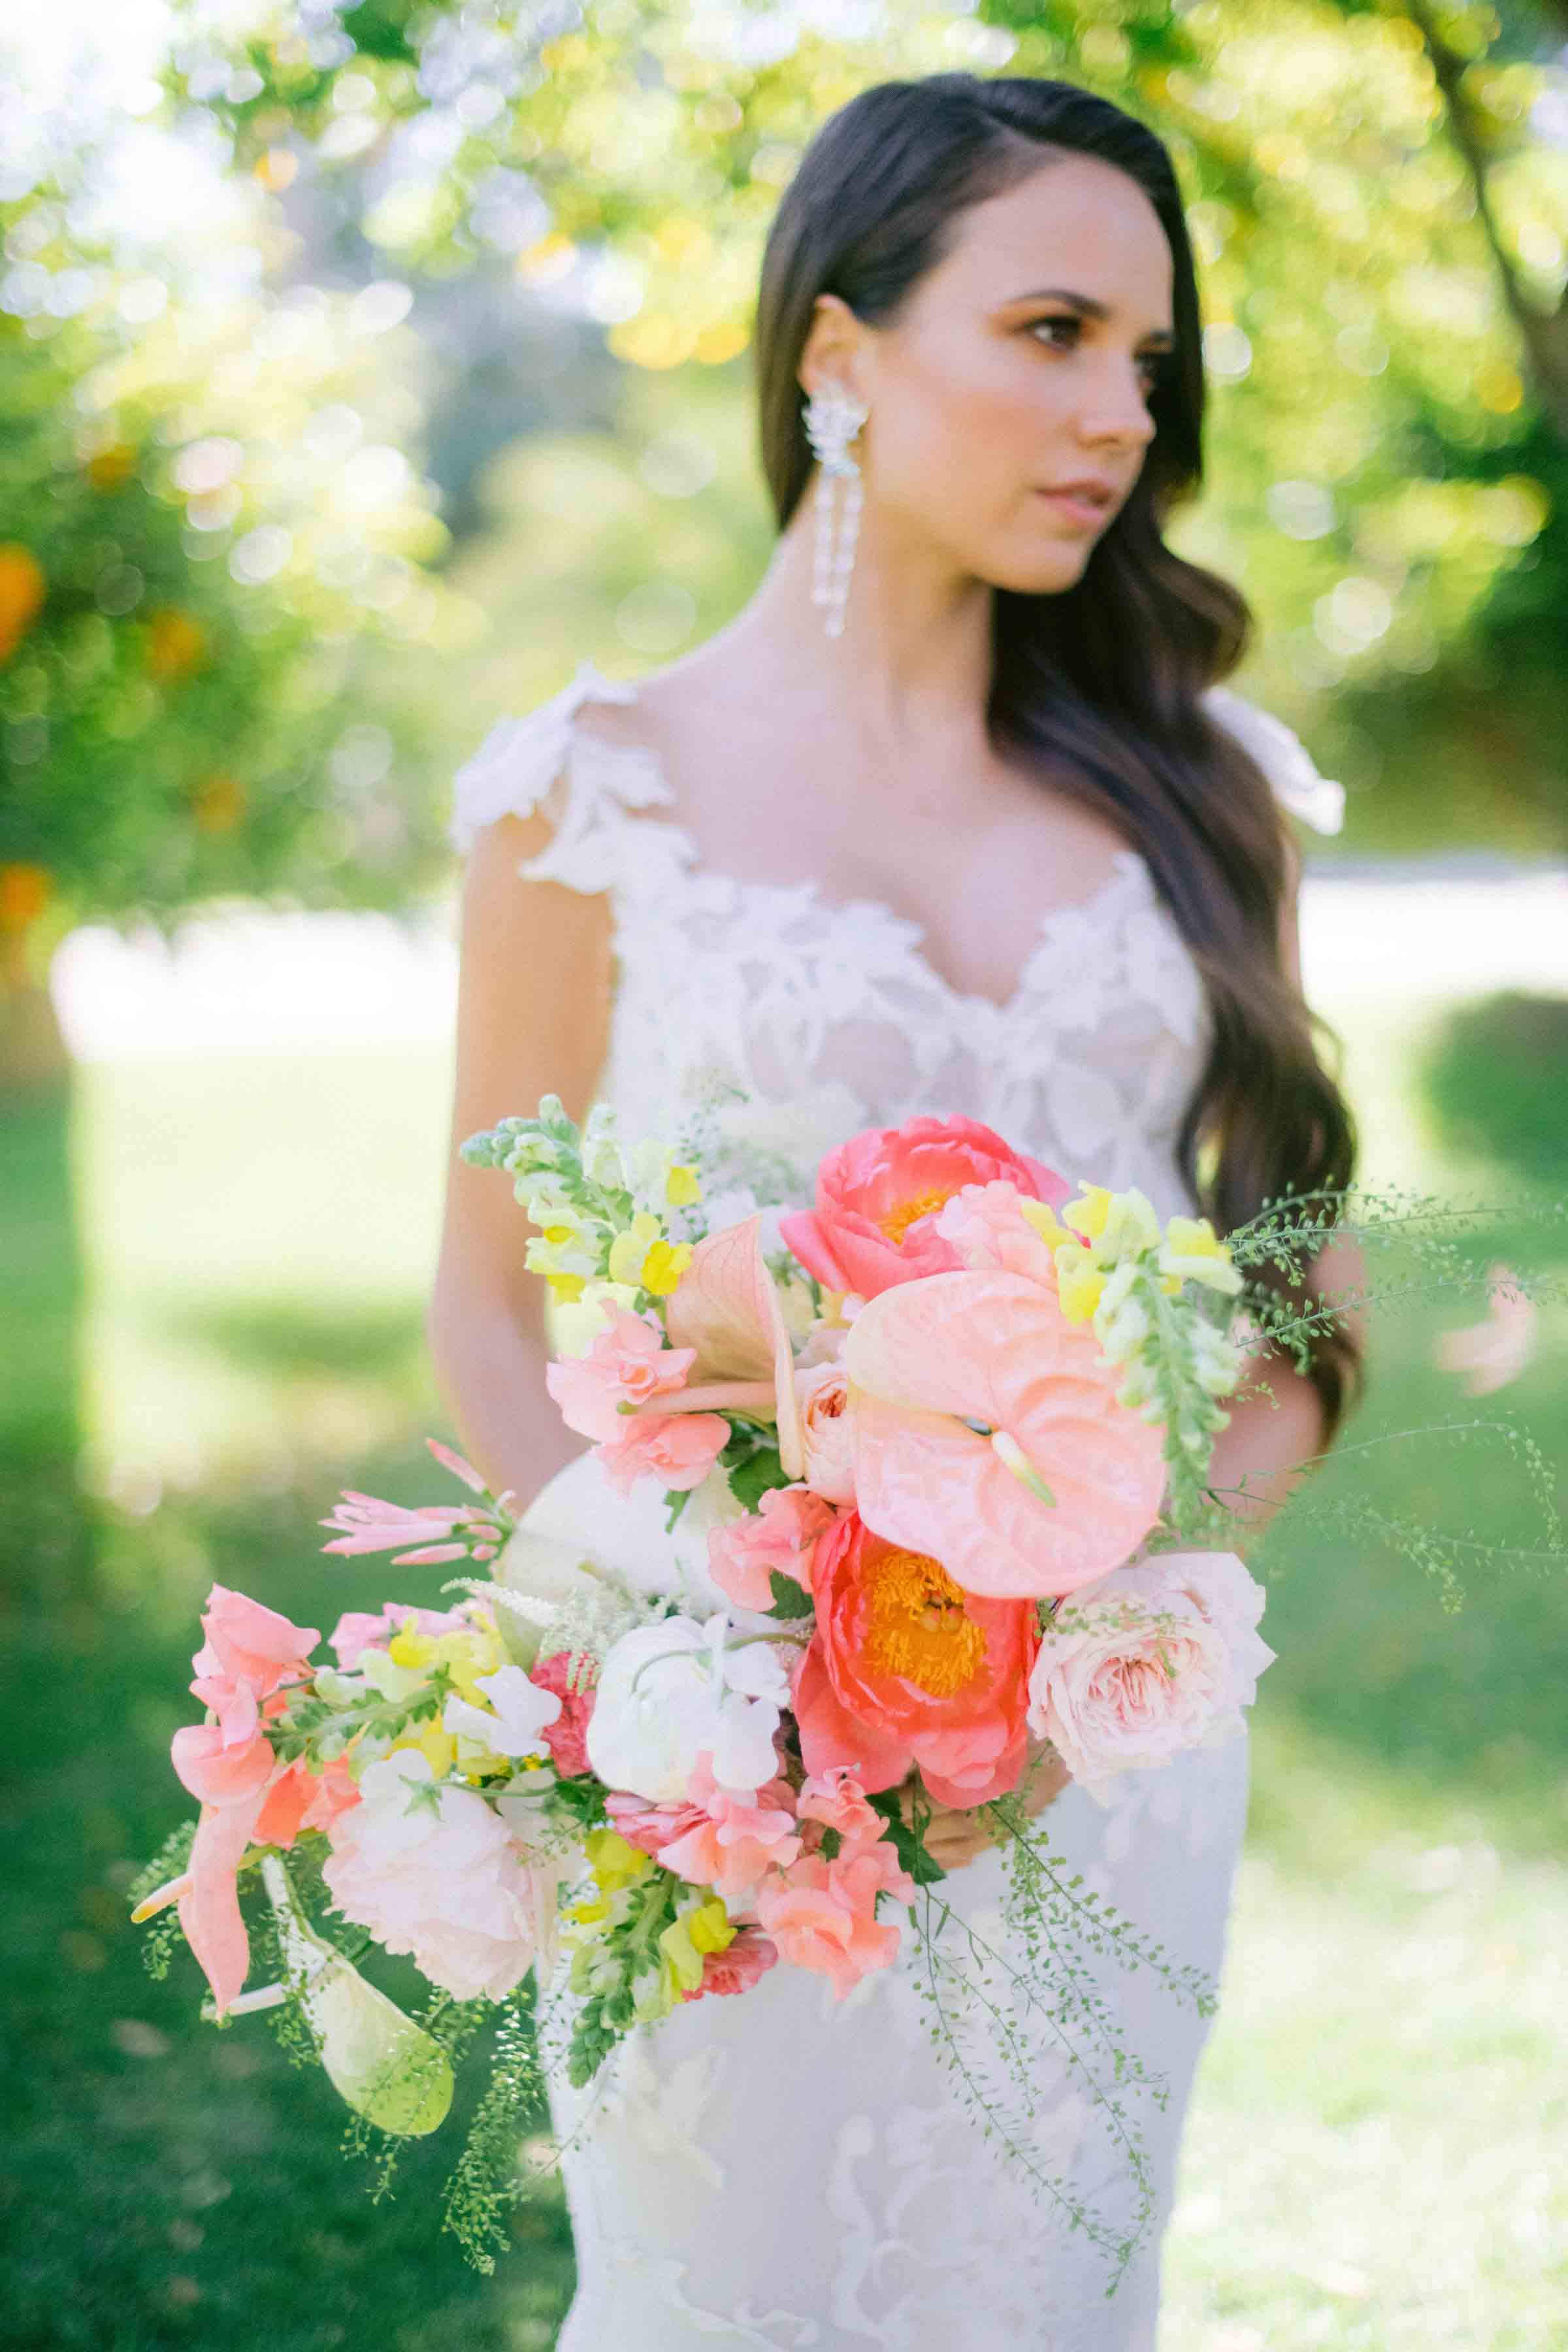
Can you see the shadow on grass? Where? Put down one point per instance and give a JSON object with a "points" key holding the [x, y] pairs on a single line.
{"points": [[164, 2183]]}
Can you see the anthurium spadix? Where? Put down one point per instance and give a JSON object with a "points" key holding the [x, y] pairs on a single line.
{"points": [[987, 1435], [726, 1305], [388, 2069]]}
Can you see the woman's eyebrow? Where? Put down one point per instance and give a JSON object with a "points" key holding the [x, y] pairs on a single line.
{"points": [[1089, 305]]}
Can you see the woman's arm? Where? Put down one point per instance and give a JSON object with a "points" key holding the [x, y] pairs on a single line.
{"points": [[534, 999]]}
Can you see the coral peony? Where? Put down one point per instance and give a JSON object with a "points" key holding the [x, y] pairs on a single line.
{"points": [[1056, 1484], [905, 1668], [879, 1195]]}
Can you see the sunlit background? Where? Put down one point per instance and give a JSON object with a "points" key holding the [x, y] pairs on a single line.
{"points": [[362, 368]]}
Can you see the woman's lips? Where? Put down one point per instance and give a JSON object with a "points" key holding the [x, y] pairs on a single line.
{"points": [[1087, 514]]}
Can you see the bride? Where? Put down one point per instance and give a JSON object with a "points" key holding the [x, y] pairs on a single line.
{"points": [[954, 817]]}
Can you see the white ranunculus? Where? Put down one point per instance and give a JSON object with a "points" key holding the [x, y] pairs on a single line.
{"points": [[667, 1691], [432, 1871], [1154, 1659]]}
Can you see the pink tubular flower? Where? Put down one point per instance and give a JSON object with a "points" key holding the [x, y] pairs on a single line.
{"points": [[678, 1449], [364, 1523], [823, 1915], [567, 1737], [879, 1195], [627, 1363], [780, 1536], [906, 1668], [736, 1969]]}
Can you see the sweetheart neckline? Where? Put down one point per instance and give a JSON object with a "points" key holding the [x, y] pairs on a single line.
{"points": [[916, 934]]}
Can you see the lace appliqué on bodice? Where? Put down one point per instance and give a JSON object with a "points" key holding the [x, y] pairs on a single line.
{"points": [[778, 1021]]}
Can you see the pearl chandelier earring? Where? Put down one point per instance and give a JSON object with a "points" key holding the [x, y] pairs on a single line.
{"points": [[833, 418]]}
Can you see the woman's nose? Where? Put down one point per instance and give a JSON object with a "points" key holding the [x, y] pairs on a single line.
{"points": [[1118, 408]]}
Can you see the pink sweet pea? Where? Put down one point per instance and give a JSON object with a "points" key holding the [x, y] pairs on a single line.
{"points": [[627, 1363], [836, 1800], [779, 1536], [906, 1668], [736, 1841], [878, 1196], [823, 1915], [929, 1359], [677, 1449], [250, 1651]]}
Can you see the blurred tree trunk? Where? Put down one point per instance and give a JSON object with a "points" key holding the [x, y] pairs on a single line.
{"points": [[1544, 334], [33, 1054]]}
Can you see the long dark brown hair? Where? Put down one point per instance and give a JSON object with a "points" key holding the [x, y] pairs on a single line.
{"points": [[1097, 684]]}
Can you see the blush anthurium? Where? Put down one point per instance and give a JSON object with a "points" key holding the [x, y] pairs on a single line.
{"points": [[987, 1435]]}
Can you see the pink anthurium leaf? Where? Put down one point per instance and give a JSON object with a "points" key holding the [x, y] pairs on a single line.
{"points": [[726, 1305]]}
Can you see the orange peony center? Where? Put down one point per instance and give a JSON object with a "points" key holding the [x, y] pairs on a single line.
{"points": [[897, 1222], [919, 1627]]}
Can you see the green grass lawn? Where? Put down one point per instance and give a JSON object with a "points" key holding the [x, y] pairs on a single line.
{"points": [[1376, 2153]]}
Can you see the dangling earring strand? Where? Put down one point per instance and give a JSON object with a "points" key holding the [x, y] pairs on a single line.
{"points": [[833, 418]]}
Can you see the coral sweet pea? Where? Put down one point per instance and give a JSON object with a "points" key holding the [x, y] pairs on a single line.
{"points": [[878, 1196], [905, 1668], [987, 1432]]}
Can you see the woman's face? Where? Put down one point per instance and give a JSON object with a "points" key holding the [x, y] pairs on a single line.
{"points": [[1021, 363]]}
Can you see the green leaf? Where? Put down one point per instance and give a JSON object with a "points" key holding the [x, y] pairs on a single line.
{"points": [[759, 1473], [790, 1599], [909, 1845]]}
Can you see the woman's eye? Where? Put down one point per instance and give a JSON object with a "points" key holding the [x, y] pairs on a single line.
{"points": [[1152, 365]]}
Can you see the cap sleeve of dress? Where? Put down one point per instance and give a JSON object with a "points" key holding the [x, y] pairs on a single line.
{"points": [[585, 784], [1298, 784]]}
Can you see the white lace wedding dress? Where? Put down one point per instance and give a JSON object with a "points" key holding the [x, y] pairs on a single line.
{"points": [[782, 2170]]}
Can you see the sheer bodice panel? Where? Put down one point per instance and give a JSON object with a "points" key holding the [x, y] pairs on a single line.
{"points": [[783, 1020]]}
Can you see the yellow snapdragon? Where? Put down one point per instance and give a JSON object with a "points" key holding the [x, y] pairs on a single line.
{"points": [[615, 1861], [643, 1255], [688, 1939]]}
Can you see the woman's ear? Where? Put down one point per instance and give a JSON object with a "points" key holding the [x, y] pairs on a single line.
{"points": [[830, 353]]}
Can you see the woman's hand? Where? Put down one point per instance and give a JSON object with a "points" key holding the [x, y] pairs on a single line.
{"points": [[954, 1835]]}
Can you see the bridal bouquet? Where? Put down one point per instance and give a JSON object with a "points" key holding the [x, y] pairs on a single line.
{"points": [[928, 1458]]}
